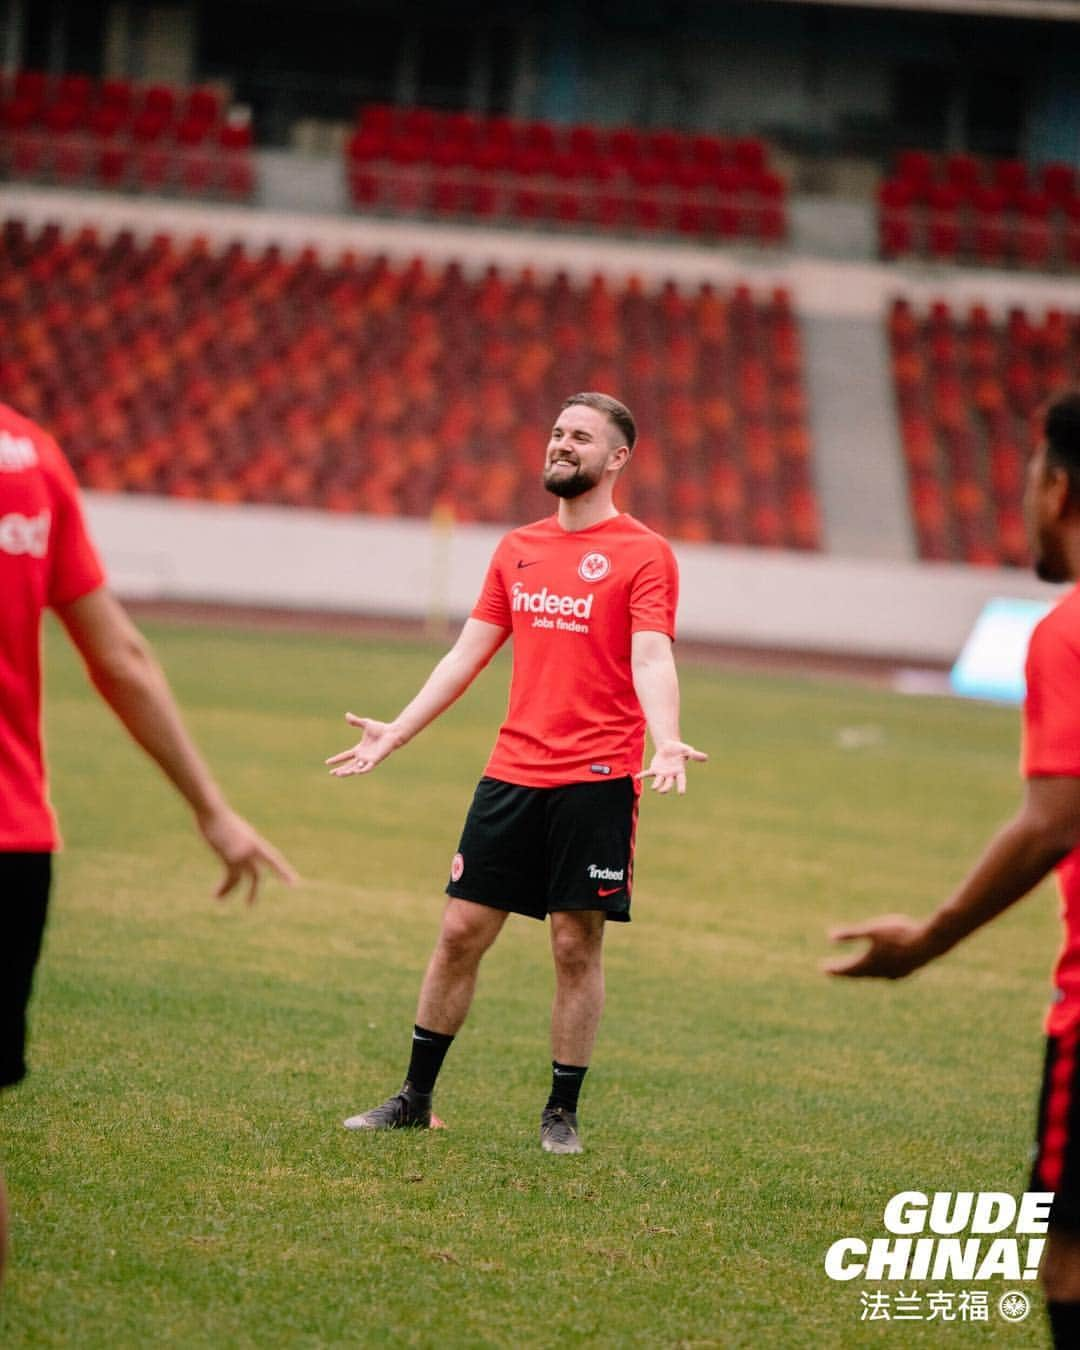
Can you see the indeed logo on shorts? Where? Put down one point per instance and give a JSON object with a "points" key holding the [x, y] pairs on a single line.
{"points": [[605, 873], [544, 601], [25, 534]]}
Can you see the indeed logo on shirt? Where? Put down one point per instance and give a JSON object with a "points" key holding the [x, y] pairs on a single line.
{"points": [[25, 534], [16, 453], [544, 601]]}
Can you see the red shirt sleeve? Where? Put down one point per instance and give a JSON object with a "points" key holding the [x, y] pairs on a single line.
{"points": [[493, 606], [1052, 707], [75, 568], [654, 593]]}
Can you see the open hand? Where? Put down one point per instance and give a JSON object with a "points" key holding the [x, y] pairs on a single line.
{"points": [[379, 740], [243, 851], [668, 766], [897, 946]]}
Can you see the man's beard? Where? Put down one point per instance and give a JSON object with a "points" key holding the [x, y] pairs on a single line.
{"points": [[568, 485]]}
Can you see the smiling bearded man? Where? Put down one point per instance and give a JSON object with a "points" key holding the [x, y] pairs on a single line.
{"points": [[588, 596]]}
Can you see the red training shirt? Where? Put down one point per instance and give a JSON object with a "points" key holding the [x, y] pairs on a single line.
{"points": [[46, 558], [1052, 750], [573, 599]]}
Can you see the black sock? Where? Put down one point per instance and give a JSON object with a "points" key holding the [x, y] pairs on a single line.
{"points": [[428, 1052], [566, 1081], [1064, 1322]]}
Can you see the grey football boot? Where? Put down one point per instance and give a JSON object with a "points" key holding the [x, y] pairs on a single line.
{"points": [[407, 1109], [558, 1130]]}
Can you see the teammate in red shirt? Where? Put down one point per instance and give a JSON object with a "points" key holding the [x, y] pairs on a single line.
{"points": [[589, 597], [48, 560], [1044, 835]]}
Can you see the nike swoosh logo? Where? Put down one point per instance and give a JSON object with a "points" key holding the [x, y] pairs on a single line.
{"points": [[428, 1040], [529, 564], [614, 891]]}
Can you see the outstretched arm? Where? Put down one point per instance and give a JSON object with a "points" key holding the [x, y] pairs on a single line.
{"points": [[656, 683], [1043, 832], [126, 674], [476, 645]]}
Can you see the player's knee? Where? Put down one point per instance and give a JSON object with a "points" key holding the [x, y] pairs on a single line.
{"points": [[462, 939], [575, 953]]}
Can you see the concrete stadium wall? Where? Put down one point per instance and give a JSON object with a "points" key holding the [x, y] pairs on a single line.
{"points": [[159, 549]]}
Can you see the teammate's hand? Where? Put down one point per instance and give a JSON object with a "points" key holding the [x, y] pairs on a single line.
{"points": [[897, 946], [668, 766], [243, 851], [379, 740]]}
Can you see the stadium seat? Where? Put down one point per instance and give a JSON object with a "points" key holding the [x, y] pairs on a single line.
{"points": [[966, 390], [233, 376], [995, 213], [537, 173], [73, 129]]}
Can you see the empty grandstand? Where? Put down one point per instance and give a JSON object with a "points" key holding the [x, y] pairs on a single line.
{"points": [[457, 233]]}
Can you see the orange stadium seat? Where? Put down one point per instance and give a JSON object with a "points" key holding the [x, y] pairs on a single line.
{"points": [[966, 389], [240, 376]]}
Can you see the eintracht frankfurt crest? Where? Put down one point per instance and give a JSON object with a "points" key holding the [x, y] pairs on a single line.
{"points": [[594, 567]]}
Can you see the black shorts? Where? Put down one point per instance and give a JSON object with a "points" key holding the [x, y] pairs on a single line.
{"points": [[538, 851], [24, 900], [1057, 1143]]}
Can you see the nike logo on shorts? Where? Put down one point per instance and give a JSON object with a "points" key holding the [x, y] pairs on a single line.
{"points": [[613, 891]]}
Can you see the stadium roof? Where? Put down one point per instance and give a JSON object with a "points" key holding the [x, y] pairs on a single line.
{"points": [[1066, 10]]}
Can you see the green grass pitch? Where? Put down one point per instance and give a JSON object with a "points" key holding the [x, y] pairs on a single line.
{"points": [[177, 1167]]}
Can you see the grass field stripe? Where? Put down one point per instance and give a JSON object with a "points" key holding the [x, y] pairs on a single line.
{"points": [[177, 1171]]}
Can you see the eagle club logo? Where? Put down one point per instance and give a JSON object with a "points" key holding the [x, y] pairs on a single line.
{"points": [[457, 867], [594, 567]]}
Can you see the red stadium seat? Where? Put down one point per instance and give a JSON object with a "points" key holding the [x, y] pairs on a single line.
{"points": [[160, 100], [1011, 176], [943, 229], [962, 172], [749, 155], [679, 183], [116, 93], [236, 134], [202, 105], [1007, 213], [18, 114], [1059, 183], [990, 229], [257, 348], [62, 118], [1033, 234], [980, 383], [896, 220], [915, 167], [31, 86]]}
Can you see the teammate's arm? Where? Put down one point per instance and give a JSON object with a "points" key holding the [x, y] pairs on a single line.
{"points": [[476, 645], [127, 676], [656, 683], [1045, 830]]}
